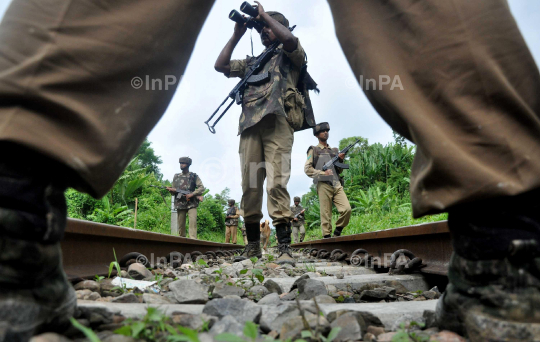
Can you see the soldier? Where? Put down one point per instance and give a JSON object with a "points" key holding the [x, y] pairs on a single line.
{"points": [[469, 102], [231, 222], [271, 112], [298, 220], [243, 228], [186, 204], [329, 183]]}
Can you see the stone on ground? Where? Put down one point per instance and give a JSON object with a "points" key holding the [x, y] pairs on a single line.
{"points": [[126, 298], [189, 291], [310, 288], [350, 327], [292, 329], [273, 317], [87, 285], [227, 325], [273, 287], [259, 290], [270, 299], [241, 310], [150, 298], [221, 290], [138, 271]]}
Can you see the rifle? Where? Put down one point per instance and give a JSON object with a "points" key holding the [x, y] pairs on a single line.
{"points": [[335, 161], [250, 78], [179, 192], [300, 213]]}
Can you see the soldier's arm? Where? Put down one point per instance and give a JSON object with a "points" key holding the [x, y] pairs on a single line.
{"points": [[237, 215], [224, 59], [308, 166], [199, 187]]}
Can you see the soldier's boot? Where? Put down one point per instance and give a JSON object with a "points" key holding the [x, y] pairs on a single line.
{"points": [[34, 293], [327, 236], [337, 231], [494, 281], [283, 232], [302, 236], [253, 246]]}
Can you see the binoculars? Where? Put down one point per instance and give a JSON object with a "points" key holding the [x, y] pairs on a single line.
{"points": [[250, 22]]}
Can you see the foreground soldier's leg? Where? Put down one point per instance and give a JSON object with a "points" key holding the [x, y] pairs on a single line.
{"points": [[344, 209], [469, 100], [278, 139], [325, 192], [70, 98]]}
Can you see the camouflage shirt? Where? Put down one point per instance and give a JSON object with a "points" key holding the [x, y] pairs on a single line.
{"points": [[190, 182], [269, 98], [234, 213], [295, 210]]}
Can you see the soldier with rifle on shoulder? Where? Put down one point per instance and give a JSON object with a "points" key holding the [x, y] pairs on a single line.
{"points": [[329, 183], [231, 222], [298, 220]]}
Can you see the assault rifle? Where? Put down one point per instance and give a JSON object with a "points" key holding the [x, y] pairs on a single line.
{"points": [[335, 161], [250, 78], [300, 213], [179, 192]]}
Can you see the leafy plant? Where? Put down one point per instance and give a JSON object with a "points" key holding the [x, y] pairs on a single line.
{"points": [[89, 333], [270, 258], [254, 260], [406, 335], [310, 268], [114, 264], [98, 279], [201, 262], [250, 334]]}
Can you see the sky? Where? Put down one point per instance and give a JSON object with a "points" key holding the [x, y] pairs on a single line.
{"points": [[182, 132]]}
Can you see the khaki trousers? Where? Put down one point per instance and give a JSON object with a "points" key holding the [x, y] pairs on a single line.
{"points": [[244, 234], [469, 100], [181, 214], [230, 231], [265, 152], [328, 195], [295, 230]]}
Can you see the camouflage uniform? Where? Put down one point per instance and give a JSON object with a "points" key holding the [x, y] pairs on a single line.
{"points": [[329, 188], [231, 224], [298, 226], [271, 112], [190, 182]]}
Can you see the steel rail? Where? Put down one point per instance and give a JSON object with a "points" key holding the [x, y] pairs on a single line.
{"points": [[87, 247], [429, 241]]}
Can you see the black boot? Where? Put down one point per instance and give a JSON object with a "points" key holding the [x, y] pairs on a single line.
{"points": [[327, 236], [494, 273], [253, 247], [35, 295], [283, 232], [337, 231]]}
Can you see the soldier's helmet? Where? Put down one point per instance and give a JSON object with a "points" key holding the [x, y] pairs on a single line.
{"points": [[321, 127], [185, 160], [296, 199], [280, 18], [231, 202]]}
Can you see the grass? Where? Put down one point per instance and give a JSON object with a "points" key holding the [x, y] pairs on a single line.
{"points": [[370, 222]]}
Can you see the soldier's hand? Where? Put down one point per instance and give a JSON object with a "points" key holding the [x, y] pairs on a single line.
{"points": [[188, 196], [341, 156], [260, 8], [171, 189], [328, 172], [295, 219], [239, 29]]}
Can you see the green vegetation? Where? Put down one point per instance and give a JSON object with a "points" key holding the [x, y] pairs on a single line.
{"points": [[377, 185], [117, 207]]}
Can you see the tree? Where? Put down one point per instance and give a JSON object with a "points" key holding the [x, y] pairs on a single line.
{"points": [[148, 159]]}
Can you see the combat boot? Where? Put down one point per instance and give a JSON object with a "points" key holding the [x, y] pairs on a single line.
{"points": [[337, 231], [34, 293], [252, 249], [283, 232], [494, 274]]}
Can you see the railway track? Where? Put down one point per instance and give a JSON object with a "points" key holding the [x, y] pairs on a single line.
{"points": [[378, 280]]}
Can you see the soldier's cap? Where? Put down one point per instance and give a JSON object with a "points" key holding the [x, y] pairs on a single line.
{"points": [[231, 201], [296, 199], [185, 160], [321, 127], [280, 18]]}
